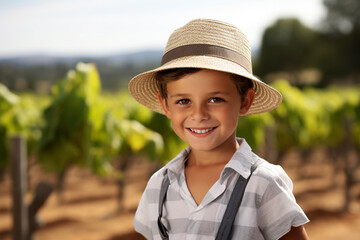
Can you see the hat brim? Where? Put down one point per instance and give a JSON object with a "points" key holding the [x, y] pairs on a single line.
{"points": [[144, 89]]}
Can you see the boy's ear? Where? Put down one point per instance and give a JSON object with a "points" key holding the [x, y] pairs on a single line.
{"points": [[164, 105], [247, 102]]}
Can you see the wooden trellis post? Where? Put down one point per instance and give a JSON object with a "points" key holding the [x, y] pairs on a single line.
{"points": [[19, 181]]}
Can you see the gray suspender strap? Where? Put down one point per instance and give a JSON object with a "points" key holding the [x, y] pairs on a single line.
{"points": [[164, 187], [230, 212], [226, 225]]}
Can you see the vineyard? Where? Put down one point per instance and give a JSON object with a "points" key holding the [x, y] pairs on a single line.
{"points": [[79, 129]]}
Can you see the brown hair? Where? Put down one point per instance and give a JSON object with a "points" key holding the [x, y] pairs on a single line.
{"points": [[165, 76]]}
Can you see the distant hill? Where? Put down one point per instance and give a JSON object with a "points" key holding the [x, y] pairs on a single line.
{"points": [[29, 72], [140, 57]]}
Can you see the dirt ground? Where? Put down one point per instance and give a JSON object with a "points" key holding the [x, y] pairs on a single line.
{"points": [[89, 209]]}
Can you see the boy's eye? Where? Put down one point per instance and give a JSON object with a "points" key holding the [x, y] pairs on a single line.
{"points": [[216, 100], [183, 101]]}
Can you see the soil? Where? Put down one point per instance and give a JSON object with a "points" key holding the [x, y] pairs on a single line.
{"points": [[88, 208]]}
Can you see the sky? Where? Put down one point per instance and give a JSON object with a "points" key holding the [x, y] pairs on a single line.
{"points": [[107, 27]]}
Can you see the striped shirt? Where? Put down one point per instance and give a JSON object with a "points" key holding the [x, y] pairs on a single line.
{"points": [[268, 209]]}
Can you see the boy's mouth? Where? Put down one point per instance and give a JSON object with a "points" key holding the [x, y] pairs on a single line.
{"points": [[201, 131]]}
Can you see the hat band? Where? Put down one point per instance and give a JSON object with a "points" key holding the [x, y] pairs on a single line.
{"points": [[207, 50]]}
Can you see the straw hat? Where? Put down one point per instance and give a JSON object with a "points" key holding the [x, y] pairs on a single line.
{"points": [[208, 44]]}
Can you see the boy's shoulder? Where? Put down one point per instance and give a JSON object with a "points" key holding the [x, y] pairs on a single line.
{"points": [[268, 174], [268, 170]]}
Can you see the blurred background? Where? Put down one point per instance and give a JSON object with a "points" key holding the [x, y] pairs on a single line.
{"points": [[89, 149]]}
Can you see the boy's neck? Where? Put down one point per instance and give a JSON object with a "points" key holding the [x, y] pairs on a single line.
{"points": [[219, 155]]}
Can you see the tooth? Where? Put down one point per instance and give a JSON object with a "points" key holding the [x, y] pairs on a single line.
{"points": [[201, 131]]}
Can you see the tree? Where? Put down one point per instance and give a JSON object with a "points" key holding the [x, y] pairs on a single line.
{"points": [[286, 46], [341, 32], [342, 17]]}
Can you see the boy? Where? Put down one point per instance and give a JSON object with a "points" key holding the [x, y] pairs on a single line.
{"points": [[204, 84]]}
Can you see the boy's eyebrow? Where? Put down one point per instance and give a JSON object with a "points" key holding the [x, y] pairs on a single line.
{"points": [[178, 95], [218, 92], [186, 95]]}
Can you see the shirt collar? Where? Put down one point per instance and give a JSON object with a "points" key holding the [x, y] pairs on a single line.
{"points": [[176, 166], [241, 161]]}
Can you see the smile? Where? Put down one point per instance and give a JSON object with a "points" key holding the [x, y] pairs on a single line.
{"points": [[201, 130]]}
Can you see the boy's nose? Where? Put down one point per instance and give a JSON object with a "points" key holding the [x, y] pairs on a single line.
{"points": [[199, 113]]}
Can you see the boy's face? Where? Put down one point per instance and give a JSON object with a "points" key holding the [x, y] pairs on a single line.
{"points": [[204, 109]]}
